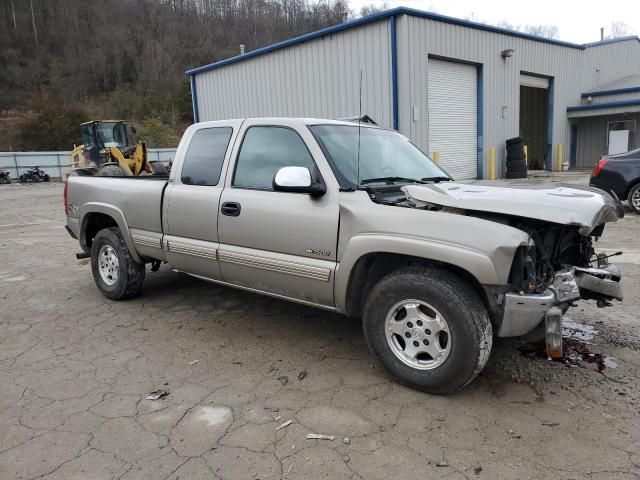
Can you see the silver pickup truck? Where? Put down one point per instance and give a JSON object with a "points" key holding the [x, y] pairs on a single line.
{"points": [[357, 220]]}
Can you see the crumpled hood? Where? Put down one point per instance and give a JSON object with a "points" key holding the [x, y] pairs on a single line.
{"points": [[586, 207]]}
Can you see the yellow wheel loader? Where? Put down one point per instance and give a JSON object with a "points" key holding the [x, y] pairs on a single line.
{"points": [[106, 151]]}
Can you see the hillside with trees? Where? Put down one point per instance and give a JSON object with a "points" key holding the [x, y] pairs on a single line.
{"points": [[66, 61]]}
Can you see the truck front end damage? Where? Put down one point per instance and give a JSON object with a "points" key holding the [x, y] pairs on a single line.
{"points": [[559, 267]]}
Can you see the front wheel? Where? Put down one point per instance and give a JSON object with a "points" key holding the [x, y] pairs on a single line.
{"points": [[22, 178], [116, 273], [46, 177], [428, 328], [634, 198]]}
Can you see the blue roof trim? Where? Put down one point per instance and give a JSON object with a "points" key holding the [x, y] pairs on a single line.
{"points": [[599, 106], [381, 16], [612, 40], [613, 91]]}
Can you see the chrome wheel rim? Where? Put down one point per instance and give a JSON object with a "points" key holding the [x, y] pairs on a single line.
{"points": [[108, 265], [635, 200], [418, 334]]}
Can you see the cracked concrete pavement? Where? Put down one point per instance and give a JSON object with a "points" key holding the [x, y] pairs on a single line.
{"points": [[75, 370]]}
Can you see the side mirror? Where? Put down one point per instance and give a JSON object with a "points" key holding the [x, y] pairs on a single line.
{"points": [[297, 180]]}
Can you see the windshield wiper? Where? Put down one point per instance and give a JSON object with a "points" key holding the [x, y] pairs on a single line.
{"points": [[390, 180], [437, 179]]}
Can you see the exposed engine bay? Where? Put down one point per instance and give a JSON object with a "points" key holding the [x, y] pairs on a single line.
{"points": [[560, 257]]}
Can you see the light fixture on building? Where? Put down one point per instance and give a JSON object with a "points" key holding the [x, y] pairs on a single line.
{"points": [[589, 99], [242, 49], [507, 53]]}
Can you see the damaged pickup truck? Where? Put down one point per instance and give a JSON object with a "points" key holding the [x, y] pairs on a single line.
{"points": [[356, 219]]}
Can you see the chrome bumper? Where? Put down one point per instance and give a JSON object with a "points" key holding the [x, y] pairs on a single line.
{"points": [[524, 312]]}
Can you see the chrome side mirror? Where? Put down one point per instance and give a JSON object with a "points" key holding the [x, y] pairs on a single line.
{"points": [[297, 180]]}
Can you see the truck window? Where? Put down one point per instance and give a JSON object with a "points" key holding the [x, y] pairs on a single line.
{"points": [[264, 151], [205, 155]]}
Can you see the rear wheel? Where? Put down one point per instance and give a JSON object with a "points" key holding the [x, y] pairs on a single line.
{"points": [[111, 170], [428, 329], [116, 273], [634, 198]]}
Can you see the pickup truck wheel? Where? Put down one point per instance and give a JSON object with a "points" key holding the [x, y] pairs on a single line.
{"points": [[634, 198], [428, 328], [116, 274]]}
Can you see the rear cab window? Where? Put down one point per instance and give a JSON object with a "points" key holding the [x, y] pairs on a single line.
{"points": [[203, 161]]}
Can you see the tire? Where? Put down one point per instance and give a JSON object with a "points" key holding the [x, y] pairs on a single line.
{"points": [[111, 171], [515, 150], [516, 167], [469, 337], [520, 158], [126, 274], [47, 178], [634, 198], [22, 178], [160, 170], [514, 141], [511, 174]]}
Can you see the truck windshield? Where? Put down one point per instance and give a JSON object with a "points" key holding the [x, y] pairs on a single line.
{"points": [[385, 156], [111, 134]]}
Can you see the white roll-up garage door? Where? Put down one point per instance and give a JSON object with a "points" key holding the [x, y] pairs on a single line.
{"points": [[453, 129]]}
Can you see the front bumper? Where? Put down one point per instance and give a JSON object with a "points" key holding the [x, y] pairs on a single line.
{"points": [[524, 312]]}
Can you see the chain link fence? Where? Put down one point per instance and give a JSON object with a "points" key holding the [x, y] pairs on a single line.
{"points": [[57, 163]]}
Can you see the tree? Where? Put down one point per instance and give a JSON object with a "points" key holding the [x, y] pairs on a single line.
{"points": [[546, 31], [157, 134], [619, 29], [52, 126]]}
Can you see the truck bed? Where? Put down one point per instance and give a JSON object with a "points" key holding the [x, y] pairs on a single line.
{"points": [[139, 198]]}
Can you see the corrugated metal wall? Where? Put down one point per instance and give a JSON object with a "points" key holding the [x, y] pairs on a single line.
{"points": [[592, 141], [574, 71], [318, 78]]}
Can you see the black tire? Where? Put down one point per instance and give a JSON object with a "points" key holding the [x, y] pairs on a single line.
{"points": [[471, 334], [160, 170], [520, 158], [635, 191], [22, 178], [514, 140], [130, 274], [512, 175], [111, 170], [47, 178], [516, 161], [516, 167], [515, 150]]}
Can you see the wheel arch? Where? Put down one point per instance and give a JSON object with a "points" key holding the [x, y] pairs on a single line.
{"points": [[97, 216], [373, 266]]}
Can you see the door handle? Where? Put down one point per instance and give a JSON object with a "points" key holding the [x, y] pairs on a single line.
{"points": [[230, 209]]}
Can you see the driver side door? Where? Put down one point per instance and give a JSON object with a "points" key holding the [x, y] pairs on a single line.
{"points": [[275, 242]]}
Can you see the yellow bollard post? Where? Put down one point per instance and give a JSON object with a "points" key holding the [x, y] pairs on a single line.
{"points": [[559, 158], [492, 163], [436, 157], [526, 156]]}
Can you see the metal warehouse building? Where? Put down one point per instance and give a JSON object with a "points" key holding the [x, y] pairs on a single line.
{"points": [[452, 86]]}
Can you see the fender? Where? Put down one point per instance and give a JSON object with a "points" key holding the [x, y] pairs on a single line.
{"points": [[118, 217], [476, 262]]}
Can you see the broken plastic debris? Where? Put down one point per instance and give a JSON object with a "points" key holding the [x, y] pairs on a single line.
{"points": [[346, 441], [301, 375], [443, 463], [283, 379], [157, 395], [194, 362], [319, 436], [285, 424]]}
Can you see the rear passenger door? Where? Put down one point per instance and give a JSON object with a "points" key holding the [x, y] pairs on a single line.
{"points": [[192, 199], [278, 242]]}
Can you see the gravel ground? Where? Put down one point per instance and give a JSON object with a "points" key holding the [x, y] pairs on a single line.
{"points": [[76, 370]]}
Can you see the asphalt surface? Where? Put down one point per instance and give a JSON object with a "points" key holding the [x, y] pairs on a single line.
{"points": [[76, 369]]}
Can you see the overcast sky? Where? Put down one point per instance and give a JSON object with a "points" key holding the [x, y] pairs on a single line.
{"points": [[578, 21]]}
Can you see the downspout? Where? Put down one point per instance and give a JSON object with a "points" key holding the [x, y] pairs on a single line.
{"points": [[194, 98], [394, 72]]}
